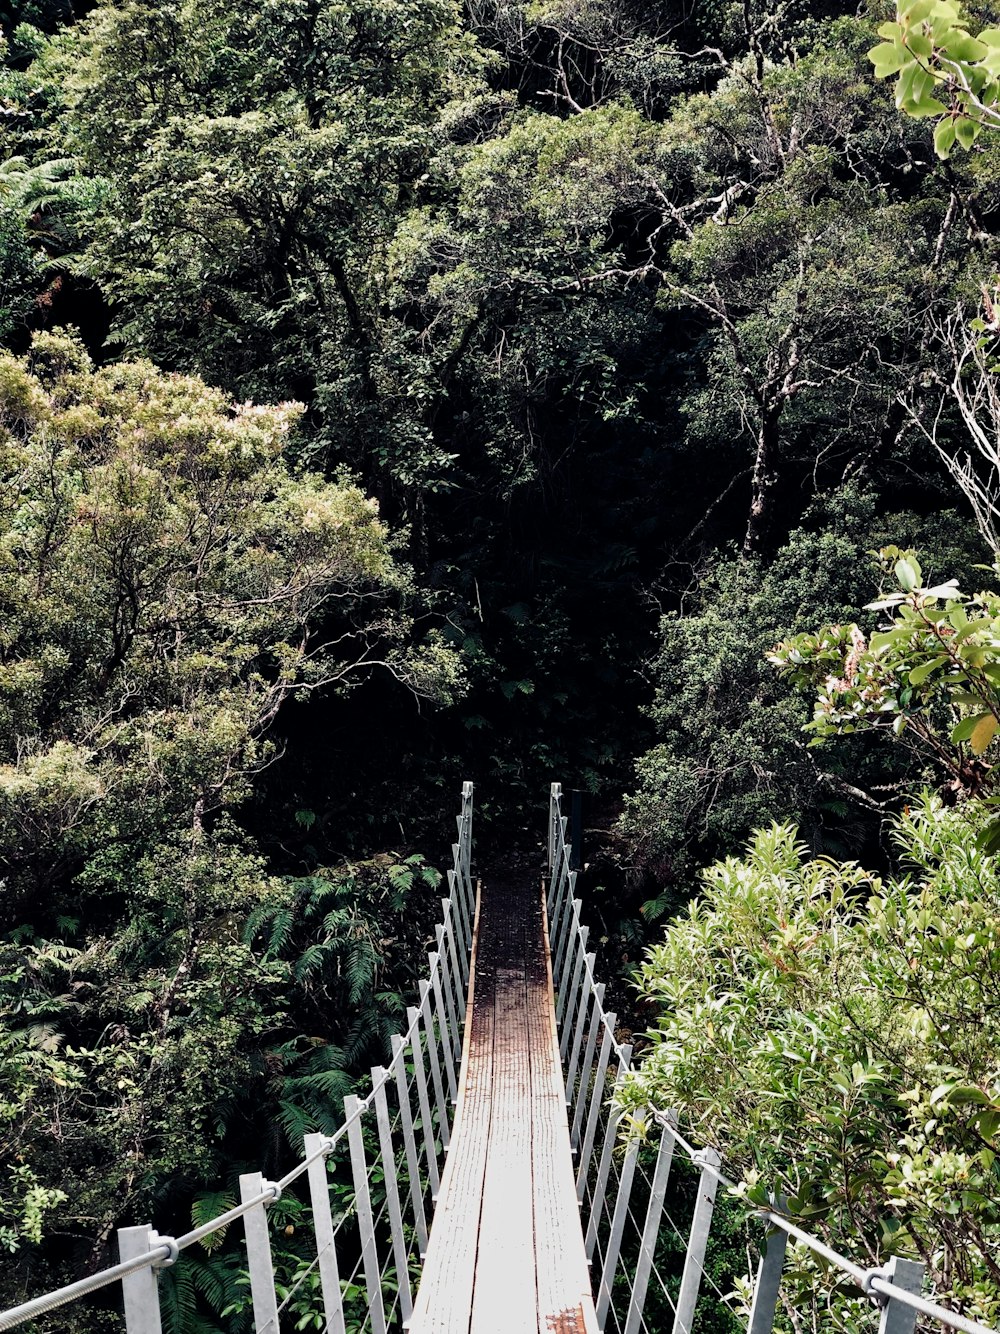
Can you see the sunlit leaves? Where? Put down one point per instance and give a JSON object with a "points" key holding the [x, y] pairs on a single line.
{"points": [[942, 70]]}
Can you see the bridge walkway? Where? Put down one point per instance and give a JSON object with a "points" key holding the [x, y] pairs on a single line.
{"points": [[506, 1250]]}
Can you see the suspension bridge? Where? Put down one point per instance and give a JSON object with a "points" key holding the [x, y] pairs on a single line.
{"points": [[491, 1184]]}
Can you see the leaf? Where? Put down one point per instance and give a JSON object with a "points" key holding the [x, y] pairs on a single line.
{"points": [[962, 46], [920, 674], [982, 734], [907, 571], [963, 730], [888, 58], [966, 131]]}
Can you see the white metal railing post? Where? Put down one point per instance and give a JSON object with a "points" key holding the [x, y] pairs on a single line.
{"points": [[560, 872], [768, 1282], [651, 1228], [467, 808], [392, 1193], [554, 802], [897, 1317], [363, 1209], [409, 1143], [567, 934], [427, 1013], [572, 994], [140, 1291], [423, 1100], [265, 1304], [596, 1101], [326, 1246], [454, 968], [464, 927], [694, 1260], [447, 1001], [576, 1099], [448, 1040], [587, 993], [613, 1248], [604, 1166]]}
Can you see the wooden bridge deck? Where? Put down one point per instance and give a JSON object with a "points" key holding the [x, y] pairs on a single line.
{"points": [[506, 1253]]}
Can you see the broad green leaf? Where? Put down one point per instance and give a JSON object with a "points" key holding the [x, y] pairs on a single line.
{"points": [[982, 734], [925, 106], [920, 674], [888, 58], [963, 730], [961, 46], [917, 12], [966, 131], [908, 573]]}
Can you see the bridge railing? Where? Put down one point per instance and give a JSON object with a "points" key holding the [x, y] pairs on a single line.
{"points": [[622, 1181], [382, 1232]]}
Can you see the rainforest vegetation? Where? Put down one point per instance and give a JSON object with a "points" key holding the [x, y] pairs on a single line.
{"points": [[394, 392]]}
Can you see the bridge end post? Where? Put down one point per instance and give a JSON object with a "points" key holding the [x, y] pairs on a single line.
{"points": [[765, 1292], [555, 796], [897, 1317], [694, 1261], [265, 1303], [366, 1221], [326, 1249], [139, 1291]]}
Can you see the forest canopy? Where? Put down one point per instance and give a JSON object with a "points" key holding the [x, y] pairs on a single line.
{"points": [[394, 392]]}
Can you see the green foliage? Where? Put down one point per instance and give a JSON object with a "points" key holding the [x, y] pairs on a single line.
{"points": [[943, 71], [729, 752], [835, 1035], [931, 672]]}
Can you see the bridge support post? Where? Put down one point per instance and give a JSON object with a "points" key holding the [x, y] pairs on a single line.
{"points": [[326, 1246], [568, 993], [651, 1227], [363, 1208], [694, 1261], [409, 1143], [566, 936], [765, 1292], [555, 795], [613, 1248], [265, 1304], [424, 1102], [589, 998], [427, 1012], [596, 1102], [898, 1318], [578, 1101], [444, 1018], [392, 1193], [139, 1290], [450, 981], [607, 1152], [464, 925]]}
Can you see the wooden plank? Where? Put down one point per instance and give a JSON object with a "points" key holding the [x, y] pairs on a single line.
{"points": [[506, 1249]]}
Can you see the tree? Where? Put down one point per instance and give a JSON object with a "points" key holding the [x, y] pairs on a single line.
{"points": [[168, 582], [833, 1034]]}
